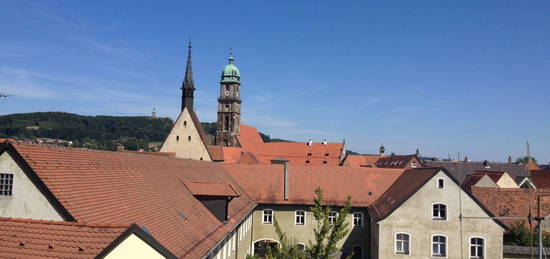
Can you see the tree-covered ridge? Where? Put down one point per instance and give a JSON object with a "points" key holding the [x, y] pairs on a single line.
{"points": [[96, 132]]}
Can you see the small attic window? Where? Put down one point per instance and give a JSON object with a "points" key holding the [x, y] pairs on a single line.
{"points": [[309, 154], [189, 138], [440, 183], [177, 138], [201, 158], [308, 161], [325, 161], [185, 123], [413, 164], [6, 184], [326, 154]]}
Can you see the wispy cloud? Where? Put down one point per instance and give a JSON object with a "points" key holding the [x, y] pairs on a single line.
{"points": [[66, 19], [23, 83]]}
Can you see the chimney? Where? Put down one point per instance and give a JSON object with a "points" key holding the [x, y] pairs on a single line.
{"points": [[325, 142], [382, 150], [119, 148], [509, 159], [309, 142], [465, 159], [486, 164], [284, 162]]}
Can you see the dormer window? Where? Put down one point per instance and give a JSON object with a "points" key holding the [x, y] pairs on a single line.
{"points": [[214, 196], [413, 164], [6, 184]]}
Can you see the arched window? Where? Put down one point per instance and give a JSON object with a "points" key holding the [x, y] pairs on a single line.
{"points": [[477, 247], [301, 247], [439, 211], [357, 252], [402, 243], [439, 246], [267, 216], [260, 247]]}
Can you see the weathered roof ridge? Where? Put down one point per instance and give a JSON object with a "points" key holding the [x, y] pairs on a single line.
{"points": [[64, 223]]}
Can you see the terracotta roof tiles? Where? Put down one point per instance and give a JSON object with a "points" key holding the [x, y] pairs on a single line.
{"points": [[265, 183], [211, 189], [23, 238], [541, 178], [115, 188]]}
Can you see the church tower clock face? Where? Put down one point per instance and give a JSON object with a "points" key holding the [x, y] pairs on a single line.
{"points": [[226, 93]]}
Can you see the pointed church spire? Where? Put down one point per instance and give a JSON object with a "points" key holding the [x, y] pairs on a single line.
{"points": [[188, 85]]}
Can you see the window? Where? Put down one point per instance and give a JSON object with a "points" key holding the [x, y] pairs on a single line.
{"points": [[402, 243], [439, 211], [357, 219], [300, 217], [332, 216], [185, 123], [439, 246], [477, 247], [357, 252], [307, 161], [189, 138], [325, 161], [413, 164], [267, 216], [6, 184], [301, 247], [177, 138], [440, 183]]}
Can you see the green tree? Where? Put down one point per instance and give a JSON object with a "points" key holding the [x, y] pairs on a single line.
{"points": [[326, 234], [525, 159]]}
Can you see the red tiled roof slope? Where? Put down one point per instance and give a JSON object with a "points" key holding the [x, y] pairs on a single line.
{"points": [[541, 178], [265, 183], [298, 153], [361, 160], [531, 165], [506, 202], [401, 190], [114, 187], [22, 238]]}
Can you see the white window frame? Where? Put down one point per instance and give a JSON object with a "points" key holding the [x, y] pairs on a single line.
{"points": [[296, 217], [262, 239], [484, 247], [264, 214], [444, 183], [413, 164], [446, 211], [362, 250], [395, 244], [332, 219], [362, 219], [446, 246], [302, 244]]}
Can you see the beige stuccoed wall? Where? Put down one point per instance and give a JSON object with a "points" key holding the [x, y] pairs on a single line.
{"points": [[486, 181], [285, 215], [184, 127], [237, 244], [414, 217], [134, 247], [27, 201], [506, 181]]}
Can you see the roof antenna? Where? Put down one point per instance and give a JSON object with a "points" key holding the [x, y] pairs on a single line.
{"points": [[528, 152]]}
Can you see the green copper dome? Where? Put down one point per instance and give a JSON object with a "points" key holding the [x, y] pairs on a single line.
{"points": [[230, 73]]}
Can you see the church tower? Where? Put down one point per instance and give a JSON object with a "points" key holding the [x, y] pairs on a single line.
{"points": [[229, 106], [188, 85]]}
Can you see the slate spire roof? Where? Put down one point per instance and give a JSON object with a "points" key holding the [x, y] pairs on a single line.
{"points": [[188, 82]]}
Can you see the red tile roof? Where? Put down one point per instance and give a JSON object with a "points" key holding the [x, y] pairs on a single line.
{"points": [[115, 187], [216, 153], [506, 202], [298, 153], [265, 183], [361, 160], [211, 189], [541, 178], [531, 165], [23, 238]]}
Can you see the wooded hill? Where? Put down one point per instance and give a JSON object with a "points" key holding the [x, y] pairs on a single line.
{"points": [[95, 132]]}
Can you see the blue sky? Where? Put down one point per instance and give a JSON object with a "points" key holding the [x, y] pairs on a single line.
{"points": [[442, 76]]}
